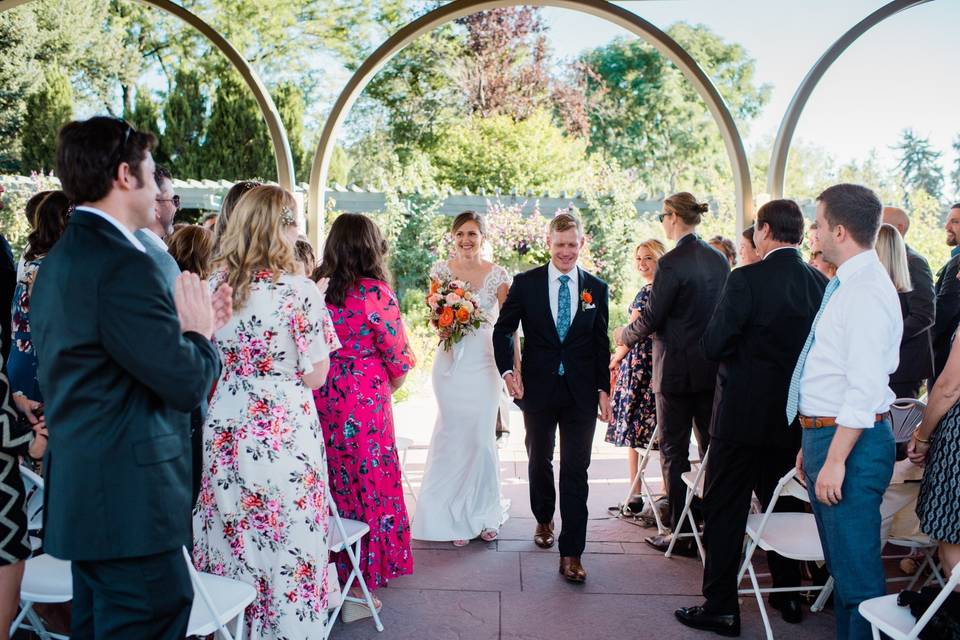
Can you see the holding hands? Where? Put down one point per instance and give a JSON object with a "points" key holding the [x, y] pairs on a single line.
{"points": [[33, 412], [917, 450]]}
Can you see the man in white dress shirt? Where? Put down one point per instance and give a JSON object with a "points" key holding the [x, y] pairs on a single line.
{"points": [[840, 390]]}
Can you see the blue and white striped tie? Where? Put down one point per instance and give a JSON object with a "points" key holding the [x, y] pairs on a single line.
{"points": [[793, 396]]}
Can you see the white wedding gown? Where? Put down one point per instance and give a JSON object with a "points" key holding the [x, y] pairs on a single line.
{"points": [[460, 495]]}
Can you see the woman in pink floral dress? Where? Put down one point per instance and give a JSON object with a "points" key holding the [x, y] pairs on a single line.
{"points": [[354, 405], [262, 514]]}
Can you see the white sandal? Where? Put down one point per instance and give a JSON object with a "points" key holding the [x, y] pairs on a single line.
{"points": [[489, 535]]}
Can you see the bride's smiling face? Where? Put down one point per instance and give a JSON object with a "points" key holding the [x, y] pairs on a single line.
{"points": [[468, 239]]}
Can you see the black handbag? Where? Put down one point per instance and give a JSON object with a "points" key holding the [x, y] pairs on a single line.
{"points": [[945, 623]]}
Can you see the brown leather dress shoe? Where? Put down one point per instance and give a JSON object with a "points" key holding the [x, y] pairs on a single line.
{"points": [[572, 570], [543, 536]]}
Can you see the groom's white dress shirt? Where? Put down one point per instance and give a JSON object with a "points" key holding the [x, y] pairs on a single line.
{"points": [[856, 347], [553, 282]]}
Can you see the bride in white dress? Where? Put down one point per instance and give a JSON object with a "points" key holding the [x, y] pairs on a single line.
{"points": [[460, 496]]}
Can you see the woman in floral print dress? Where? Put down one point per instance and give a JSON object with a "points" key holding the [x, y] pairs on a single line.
{"points": [[355, 404], [262, 514], [632, 402]]}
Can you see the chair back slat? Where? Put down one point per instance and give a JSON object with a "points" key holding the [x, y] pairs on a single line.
{"points": [[905, 416], [199, 587]]}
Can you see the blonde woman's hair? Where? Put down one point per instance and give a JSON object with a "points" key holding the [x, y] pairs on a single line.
{"points": [[652, 245], [893, 256], [256, 239]]}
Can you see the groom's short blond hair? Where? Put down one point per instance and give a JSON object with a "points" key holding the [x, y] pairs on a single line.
{"points": [[565, 221]]}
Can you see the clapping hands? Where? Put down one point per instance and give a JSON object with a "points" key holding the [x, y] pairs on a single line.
{"points": [[197, 309]]}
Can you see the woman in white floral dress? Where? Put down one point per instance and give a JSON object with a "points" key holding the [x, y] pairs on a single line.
{"points": [[262, 515]]}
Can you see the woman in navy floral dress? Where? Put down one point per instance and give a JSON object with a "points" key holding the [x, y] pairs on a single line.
{"points": [[634, 412]]}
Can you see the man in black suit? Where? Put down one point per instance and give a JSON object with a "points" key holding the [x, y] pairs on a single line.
{"points": [[757, 331], [916, 347], [686, 288], [121, 365], [948, 297], [565, 356]]}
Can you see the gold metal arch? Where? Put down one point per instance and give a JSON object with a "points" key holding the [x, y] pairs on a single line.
{"points": [[460, 8], [286, 175], [776, 173]]}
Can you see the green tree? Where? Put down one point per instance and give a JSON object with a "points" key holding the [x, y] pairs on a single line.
{"points": [[185, 119], [499, 152], [236, 146], [19, 75], [290, 104], [919, 164], [145, 116], [415, 96], [50, 107], [645, 114]]}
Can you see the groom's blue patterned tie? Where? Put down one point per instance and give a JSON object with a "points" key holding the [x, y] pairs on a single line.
{"points": [[793, 395], [563, 311]]}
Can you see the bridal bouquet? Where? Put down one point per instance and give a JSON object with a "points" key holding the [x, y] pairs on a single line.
{"points": [[453, 312]]}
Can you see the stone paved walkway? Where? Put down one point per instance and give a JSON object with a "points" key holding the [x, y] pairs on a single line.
{"points": [[511, 589]]}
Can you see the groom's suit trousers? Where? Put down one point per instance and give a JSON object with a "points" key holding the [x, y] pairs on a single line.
{"points": [[678, 414], [576, 428]]}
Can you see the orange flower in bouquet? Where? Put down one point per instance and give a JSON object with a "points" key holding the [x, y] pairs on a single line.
{"points": [[453, 312]]}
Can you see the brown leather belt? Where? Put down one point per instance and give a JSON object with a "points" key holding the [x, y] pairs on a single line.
{"points": [[808, 422]]}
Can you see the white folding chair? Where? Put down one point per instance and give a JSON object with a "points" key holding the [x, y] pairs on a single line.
{"points": [[221, 601], [792, 535], [346, 535], [884, 614], [694, 479], [33, 505], [926, 548], [46, 580], [404, 445], [640, 480]]}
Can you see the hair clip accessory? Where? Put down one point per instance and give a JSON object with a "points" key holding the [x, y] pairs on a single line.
{"points": [[288, 217]]}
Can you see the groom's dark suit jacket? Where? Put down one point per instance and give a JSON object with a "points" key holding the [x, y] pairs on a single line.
{"points": [[585, 351], [119, 380]]}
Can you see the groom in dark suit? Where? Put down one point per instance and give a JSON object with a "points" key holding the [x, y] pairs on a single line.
{"points": [[565, 378], [121, 365]]}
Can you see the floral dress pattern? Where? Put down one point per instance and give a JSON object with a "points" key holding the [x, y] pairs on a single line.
{"points": [[633, 403], [22, 364], [262, 514], [356, 415]]}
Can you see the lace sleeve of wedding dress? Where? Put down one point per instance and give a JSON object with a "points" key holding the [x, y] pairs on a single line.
{"points": [[440, 271]]}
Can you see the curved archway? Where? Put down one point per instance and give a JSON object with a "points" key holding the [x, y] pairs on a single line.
{"points": [[612, 13], [777, 171], [286, 174]]}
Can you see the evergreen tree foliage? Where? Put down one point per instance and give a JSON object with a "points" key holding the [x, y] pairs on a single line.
{"points": [[185, 118], [48, 109], [237, 145], [919, 164]]}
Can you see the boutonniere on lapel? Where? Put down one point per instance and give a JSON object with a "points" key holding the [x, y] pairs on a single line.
{"points": [[586, 300]]}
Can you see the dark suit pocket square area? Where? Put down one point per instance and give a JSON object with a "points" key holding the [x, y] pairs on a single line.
{"points": [[159, 449]]}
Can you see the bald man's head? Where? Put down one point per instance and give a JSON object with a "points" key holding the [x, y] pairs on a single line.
{"points": [[898, 218]]}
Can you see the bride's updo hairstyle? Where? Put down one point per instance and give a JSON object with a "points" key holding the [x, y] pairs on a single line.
{"points": [[469, 216], [686, 207], [354, 249]]}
